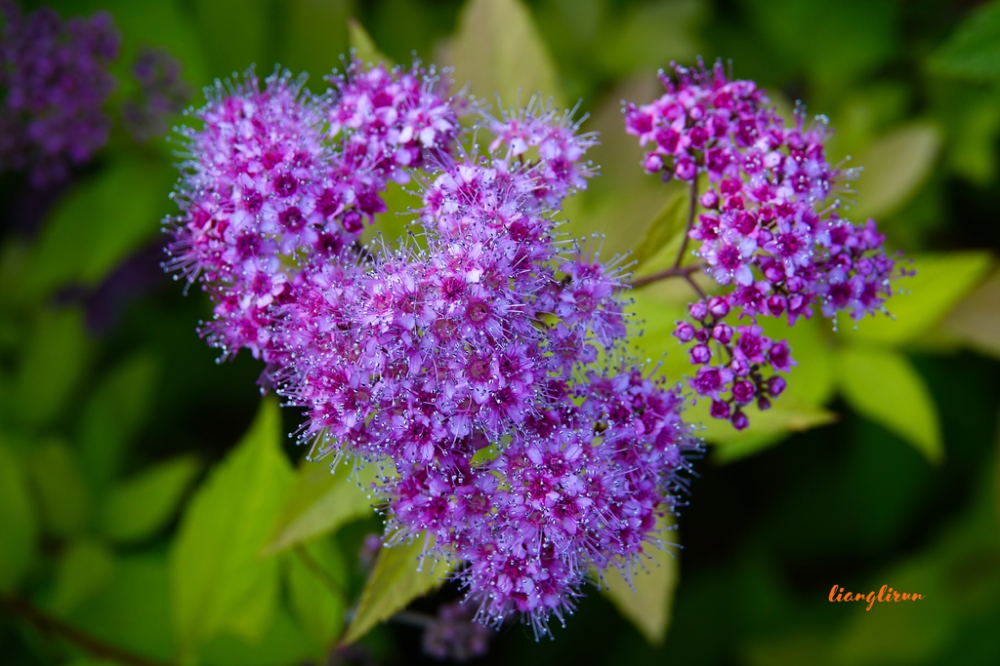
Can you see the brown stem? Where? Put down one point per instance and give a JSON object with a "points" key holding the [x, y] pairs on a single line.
{"points": [[690, 222], [668, 273], [52, 625], [317, 570], [694, 285]]}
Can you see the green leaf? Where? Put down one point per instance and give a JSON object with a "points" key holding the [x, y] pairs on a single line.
{"points": [[812, 380], [667, 225], [364, 46], [651, 35], [941, 281], [400, 575], [133, 611], [894, 167], [140, 506], [499, 51], [883, 386], [217, 571], [976, 320], [17, 516], [621, 202], [315, 36], [316, 580], [284, 643], [320, 501], [973, 51], [113, 415], [98, 223], [64, 499], [52, 364], [234, 33], [646, 601], [85, 569]]}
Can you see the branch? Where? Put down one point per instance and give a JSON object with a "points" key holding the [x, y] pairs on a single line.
{"points": [[668, 273], [53, 625]]}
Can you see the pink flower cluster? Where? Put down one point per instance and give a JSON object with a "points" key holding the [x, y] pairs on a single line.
{"points": [[466, 360], [770, 233]]}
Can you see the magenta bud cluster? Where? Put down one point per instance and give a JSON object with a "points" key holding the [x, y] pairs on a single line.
{"points": [[770, 233], [481, 363], [53, 84]]}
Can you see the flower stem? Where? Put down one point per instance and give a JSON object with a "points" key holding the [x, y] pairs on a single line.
{"points": [[52, 625], [676, 270], [690, 222]]}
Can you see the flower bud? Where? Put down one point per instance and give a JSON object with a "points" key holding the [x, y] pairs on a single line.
{"points": [[700, 354], [684, 331]]}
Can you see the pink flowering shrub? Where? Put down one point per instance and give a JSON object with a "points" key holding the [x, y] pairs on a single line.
{"points": [[484, 366]]}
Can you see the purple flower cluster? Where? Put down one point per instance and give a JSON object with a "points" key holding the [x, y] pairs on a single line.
{"points": [[280, 181], [161, 93], [466, 360], [770, 231], [54, 80]]}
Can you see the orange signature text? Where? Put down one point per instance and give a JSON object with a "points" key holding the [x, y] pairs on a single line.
{"points": [[885, 594]]}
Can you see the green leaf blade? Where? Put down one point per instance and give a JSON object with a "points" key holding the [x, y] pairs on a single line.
{"points": [[394, 582], [883, 386], [140, 506], [647, 602], [20, 525], [220, 581], [499, 51], [320, 501]]}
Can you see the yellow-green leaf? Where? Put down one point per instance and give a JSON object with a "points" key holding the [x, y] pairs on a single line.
{"points": [[138, 507], [65, 501], [941, 281], [112, 415], [85, 569], [51, 365], [648, 600], [219, 579], [787, 415], [17, 516], [882, 385], [976, 320], [667, 225], [316, 583], [894, 167], [401, 574], [499, 51], [364, 46], [320, 501], [98, 223]]}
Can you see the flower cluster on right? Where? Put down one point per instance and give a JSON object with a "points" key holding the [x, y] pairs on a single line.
{"points": [[771, 231]]}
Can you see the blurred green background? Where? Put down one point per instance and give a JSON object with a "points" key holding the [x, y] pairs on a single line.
{"points": [[133, 506]]}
